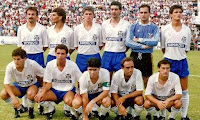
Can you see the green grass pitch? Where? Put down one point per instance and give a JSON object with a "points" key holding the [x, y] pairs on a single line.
{"points": [[7, 112]]}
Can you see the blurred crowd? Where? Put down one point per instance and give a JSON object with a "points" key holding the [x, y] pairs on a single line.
{"points": [[12, 12]]}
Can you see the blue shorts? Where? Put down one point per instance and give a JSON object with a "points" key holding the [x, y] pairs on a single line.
{"points": [[179, 67], [39, 58], [51, 57], [112, 61], [92, 96], [60, 94], [23, 90], [81, 60]]}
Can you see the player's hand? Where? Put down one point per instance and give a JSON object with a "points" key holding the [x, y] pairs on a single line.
{"points": [[77, 94], [15, 102], [120, 101], [39, 96], [166, 102], [89, 106], [161, 105], [147, 47], [122, 110]]}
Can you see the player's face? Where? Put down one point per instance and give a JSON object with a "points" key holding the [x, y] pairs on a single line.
{"points": [[164, 70], [88, 16], [115, 11], [176, 14], [31, 16], [144, 14], [128, 68], [19, 62], [61, 55], [55, 18], [94, 72]]}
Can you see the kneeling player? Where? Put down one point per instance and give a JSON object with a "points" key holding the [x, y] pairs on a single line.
{"points": [[94, 89], [60, 76], [127, 89], [163, 92], [24, 72]]}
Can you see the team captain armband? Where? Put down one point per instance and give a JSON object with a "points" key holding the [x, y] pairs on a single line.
{"points": [[106, 84]]}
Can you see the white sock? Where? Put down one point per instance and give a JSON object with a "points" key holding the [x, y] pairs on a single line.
{"points": [[153, 111], [73, 112], [24, 101], [9, 101], [95, 107], [138, 109], [79, 110], [104, 110], [163, 113], [48, 106], [31, 103], [129, 110], [174, 112], [115, 110], [185, 103], [66, 107]]}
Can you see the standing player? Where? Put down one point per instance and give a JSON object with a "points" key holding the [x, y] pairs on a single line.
{"points": [[24, 72], [141, 38], [87, 39], [94, 89], [32, 37], [127, 89], [175, 43], [60, 76], [59, 33], [114, 31], [163, 92]]}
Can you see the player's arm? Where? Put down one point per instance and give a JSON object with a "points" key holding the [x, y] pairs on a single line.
{"points": [[115, 97], [173, 98], [133, 94], [101, 96], [85, 102]]}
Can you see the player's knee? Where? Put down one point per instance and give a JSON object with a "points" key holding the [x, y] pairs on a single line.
{"points": [[68, 101], [106, 102], [177, 104], [76, 103], [31, 94], [4, 94], [147, 104], [139, 100]]}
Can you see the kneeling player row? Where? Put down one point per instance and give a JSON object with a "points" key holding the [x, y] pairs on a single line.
{"points": [[163, 89]]}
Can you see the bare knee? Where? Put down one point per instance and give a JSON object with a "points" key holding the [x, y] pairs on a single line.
{"points": [[106, 102], [4, 95], [147, 104], [77, 102], [139, 100], [177, 104]]}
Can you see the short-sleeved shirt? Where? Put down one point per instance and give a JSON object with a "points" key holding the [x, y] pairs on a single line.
{"points": [[162, 92], [121, 87], [103, 83], [65, 36], [175, 43], [114, 38], [25, 78], [88, 42], [62, 80], [32, 41]]}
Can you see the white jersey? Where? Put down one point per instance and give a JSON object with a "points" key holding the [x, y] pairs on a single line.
{"points": [[114, 37], [88, 42], [103, 83], [175, 43], [62, 80], [162, 92], [32, 41], [25, 78], [121, 87], [65, 36]]}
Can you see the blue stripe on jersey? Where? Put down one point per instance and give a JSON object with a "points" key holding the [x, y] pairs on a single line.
{"points": [[149, 34]]}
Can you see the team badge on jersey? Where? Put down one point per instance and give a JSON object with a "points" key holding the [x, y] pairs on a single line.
{"points": [[183, 39], [29, 77], [150, 35], [172, 92], [63, 40], [36, 37], [68, 76], [120, 33], [94, 37]]}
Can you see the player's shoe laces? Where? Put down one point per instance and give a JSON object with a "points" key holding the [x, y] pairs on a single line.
{"points": [[30, 113], [17, 113], [50, 114], [23, 109]]}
